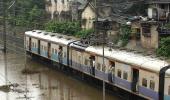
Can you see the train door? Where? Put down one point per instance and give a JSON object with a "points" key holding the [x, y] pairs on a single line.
{"points": [[135, 78], [60, 54], [38, 46], [30, 43], [49, 50], [92, 64]]}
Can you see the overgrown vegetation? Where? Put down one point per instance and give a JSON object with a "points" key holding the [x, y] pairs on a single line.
{"points": [[125, 34], [84, 33], [27, 13], [166, 26], [67, 28], [164, 49]]}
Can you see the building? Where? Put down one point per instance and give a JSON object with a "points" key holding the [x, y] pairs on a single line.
{"points": [[95, 11], [159, 9], [63, 10]]}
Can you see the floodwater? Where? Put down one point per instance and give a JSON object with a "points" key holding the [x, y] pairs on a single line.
{"points": [[45, 84]]}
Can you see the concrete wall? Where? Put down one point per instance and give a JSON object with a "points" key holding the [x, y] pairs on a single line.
{"points": [[88, 15], [152, 41]]}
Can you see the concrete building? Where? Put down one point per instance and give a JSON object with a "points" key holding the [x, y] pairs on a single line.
{"points": [[64, 9], [159, 9]]}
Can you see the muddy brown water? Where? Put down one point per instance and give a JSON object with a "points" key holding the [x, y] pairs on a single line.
{"points": [[45, 84]]}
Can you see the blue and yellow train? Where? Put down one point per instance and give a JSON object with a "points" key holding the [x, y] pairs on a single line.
{"points": [[130, 71]]}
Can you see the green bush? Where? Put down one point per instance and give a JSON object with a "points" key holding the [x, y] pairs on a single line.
{"points": [[125, 34], [164, 49], [68, 28], [167, 26], [84, 33]]}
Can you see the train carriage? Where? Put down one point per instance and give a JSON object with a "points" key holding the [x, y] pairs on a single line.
{"points": [[132, 71], [77, 56], [127, 70]]}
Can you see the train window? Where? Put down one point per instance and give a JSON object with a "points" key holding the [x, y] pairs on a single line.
{"points": [[86, 62], [27, 43], [169, 90], [152, 84], [32, 44], [144, 82], [103, 68], [125, 75], [42, 47], [55, 51], [64, 54], [119, 73], [45, 48], [79, 59], [98, 66], [35, 45], [52, 50]]}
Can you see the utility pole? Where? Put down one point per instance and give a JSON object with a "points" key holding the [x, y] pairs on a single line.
{"points": [[96, 17], [4, 24], [103, 65]]}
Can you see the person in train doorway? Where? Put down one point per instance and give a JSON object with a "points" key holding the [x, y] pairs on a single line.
{"points": [[60, 55], [111, 71], [92, 69]]}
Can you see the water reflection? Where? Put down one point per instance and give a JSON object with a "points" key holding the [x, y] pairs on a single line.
{"points": [[46, 84]]}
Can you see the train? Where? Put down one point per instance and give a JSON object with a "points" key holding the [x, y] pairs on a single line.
{"points": [[130, 71]]}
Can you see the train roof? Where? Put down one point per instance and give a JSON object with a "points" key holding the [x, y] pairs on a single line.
{"points": [[134, 59], [54, 37], [79, 45], [145, 62]]}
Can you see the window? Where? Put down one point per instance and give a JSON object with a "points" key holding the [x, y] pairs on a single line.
{"points": [[119, 73], [103, 68], [65, 55], [125, 75], [152, 84], [35, 45], [53, 50], [98, 66], [169, 90], [144, 82], [86, 62], [44, 48]]}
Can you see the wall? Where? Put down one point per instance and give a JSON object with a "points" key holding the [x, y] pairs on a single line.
{"points": [[88, 15], [152, 41], [56, 7]]}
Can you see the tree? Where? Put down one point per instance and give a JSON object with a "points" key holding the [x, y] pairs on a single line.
{"points": [[164, 48]]}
